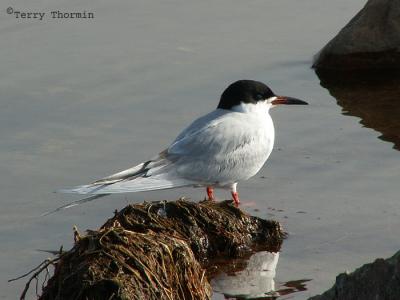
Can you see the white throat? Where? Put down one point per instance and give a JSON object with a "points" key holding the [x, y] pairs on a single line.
{"points": [[261, 107]]}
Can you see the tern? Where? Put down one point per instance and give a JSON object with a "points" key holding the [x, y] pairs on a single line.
{"points": [[218, 150]]}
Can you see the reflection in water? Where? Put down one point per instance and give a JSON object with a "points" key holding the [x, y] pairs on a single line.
{"points": [[255, 281], [254, 278], [293, 286], [375, 98]]}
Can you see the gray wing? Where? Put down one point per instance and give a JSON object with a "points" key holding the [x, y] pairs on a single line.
{"points": [[224, 150], [157, 173], [219, 147], [147, 176]]}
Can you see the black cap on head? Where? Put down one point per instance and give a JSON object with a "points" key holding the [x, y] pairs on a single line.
{"points": [[246, 91]]}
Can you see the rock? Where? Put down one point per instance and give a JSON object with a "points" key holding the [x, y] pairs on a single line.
{"points": [[377, 280], [371, 40], [158, 250]]}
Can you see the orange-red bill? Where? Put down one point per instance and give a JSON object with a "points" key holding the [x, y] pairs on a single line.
{"points": [[288, 101]]}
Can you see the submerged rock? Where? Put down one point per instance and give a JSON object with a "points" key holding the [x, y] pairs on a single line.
{"points": [[158, 251], [377, 280], [371, 40]]}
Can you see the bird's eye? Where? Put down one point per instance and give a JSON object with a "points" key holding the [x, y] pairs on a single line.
{"points": [[258, 97]]}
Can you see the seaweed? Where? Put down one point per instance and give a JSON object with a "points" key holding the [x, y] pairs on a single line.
{"points": [[156, 250]]}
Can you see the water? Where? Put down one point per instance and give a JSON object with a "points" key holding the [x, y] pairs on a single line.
{"points": [[81, 99]]}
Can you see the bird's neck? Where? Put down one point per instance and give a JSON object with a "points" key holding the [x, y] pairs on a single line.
{"points": [[260, 108]]}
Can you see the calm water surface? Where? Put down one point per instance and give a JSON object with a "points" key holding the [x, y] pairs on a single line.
{"points": [[80, 99]]}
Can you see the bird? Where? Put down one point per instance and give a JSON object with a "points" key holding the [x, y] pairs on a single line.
{"points": [[228, 145]]}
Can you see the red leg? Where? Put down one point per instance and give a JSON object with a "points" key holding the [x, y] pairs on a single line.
{"points": [[235, 197], [210, 193]]}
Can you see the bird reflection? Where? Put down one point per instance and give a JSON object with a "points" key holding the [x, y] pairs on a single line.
{"points": [[255, 281], [374, 97]]}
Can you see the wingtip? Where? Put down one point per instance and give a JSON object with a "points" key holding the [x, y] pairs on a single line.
{"points": [[63, 191], [73, 203], [81, 190]]}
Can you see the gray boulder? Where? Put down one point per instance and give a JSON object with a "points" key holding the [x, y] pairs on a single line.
{"points": [[371, 40], [379, 280]]}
